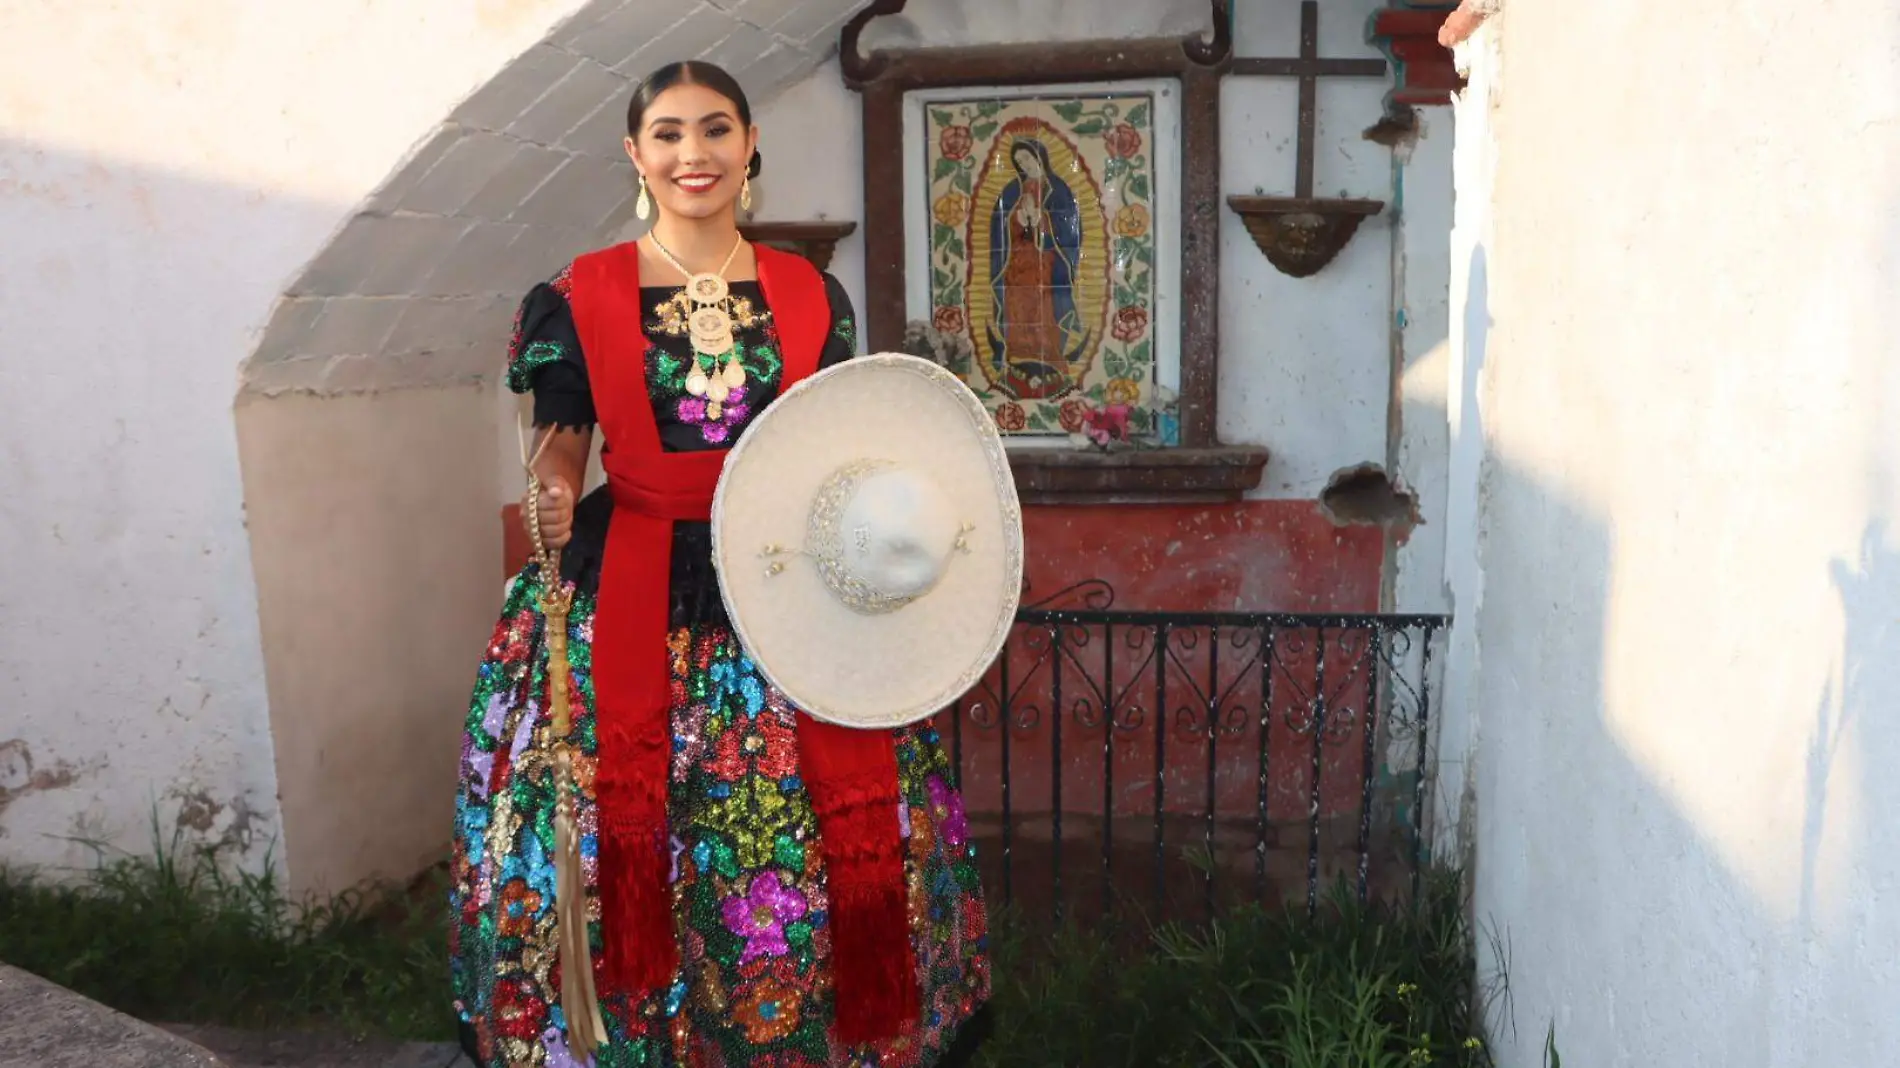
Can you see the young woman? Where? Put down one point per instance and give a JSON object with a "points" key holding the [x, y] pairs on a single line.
{"points": [[759, 895]]}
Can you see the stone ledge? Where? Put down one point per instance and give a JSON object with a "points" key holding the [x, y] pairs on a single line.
{"points": [[1137, 476], [317, 1049], [48, 1026]]}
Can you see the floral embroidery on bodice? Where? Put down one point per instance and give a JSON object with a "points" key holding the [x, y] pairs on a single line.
{"points": [[670, 354]]}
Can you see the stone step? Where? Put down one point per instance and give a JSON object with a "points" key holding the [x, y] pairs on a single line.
{"points": [[307, 1049], [45, 1025]]}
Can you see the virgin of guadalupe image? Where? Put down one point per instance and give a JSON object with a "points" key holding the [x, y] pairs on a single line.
{"points": [[1038, 342]]}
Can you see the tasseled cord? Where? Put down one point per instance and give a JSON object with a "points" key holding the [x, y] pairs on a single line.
{"points": [[580, 1003]]}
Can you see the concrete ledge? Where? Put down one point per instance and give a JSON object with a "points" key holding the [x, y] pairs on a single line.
{"points": [[313, 1049], [48, 1026]]}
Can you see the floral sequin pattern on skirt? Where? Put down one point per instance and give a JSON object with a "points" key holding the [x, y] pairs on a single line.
{"points": [[754, 987]]}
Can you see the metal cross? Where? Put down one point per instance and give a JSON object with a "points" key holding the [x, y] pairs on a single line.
{"points": [[1309, 68]]}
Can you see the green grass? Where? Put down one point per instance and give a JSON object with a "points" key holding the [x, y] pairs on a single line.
{"points": [[174, 937], [1352, 987]]}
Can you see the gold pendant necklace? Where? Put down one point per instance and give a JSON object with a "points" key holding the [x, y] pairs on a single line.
{"points": [[710, 327]]}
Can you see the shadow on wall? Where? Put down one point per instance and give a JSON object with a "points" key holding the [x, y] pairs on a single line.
{"points": [[164, 535], [1618, 918], [1577, 842], [129, 296]]}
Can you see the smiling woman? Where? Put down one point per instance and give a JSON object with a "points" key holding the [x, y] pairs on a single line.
{"points": [[755, 887]]}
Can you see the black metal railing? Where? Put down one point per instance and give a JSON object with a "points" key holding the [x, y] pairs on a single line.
{"points": [[1174, 761]]}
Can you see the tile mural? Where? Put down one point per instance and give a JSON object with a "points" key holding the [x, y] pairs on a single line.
{"points": [[1042, 255]]}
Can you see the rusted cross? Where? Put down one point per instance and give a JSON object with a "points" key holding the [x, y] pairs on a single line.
{"points": [[1309, 68]]}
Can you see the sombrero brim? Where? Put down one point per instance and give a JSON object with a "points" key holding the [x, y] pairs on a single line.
{"points": [[837, 665]]}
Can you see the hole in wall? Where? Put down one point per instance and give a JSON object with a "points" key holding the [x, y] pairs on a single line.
{"points": [[1365, 495], [1398, 126]]}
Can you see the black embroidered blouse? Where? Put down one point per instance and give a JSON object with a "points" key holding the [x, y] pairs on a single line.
{"points": [[546, 359]]}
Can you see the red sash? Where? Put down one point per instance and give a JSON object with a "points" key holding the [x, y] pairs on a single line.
{"points": [[851, 775]]}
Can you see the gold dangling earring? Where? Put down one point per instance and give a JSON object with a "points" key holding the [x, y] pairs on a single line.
{"points": [[745, 194], [643, 207]]}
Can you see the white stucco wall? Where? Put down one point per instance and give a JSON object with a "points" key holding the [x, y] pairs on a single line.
{"points": [[1421, 249], [166, 169], [350, 197], [1306, 362], [1687, 504]]}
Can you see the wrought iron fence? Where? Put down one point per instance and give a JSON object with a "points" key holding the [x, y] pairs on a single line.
{"points": [[1176, 761]]}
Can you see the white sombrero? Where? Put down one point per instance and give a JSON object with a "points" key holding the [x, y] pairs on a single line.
{"points": [[869, 542]]}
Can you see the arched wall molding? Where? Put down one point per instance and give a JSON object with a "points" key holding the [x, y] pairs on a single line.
{"points": [[419, 282]]}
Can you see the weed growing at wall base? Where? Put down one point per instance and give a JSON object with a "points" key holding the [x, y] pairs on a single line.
{"points": [[176, 938], [1354, 986]]}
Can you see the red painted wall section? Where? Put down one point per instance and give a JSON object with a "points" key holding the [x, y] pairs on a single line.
{"points": [[1261, 556], [1428, 74], [1258, 556]]}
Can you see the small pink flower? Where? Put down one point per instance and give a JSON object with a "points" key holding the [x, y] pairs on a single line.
{"points": [[1122, 140], [1103, 425], [955, 142], [760, 915]]}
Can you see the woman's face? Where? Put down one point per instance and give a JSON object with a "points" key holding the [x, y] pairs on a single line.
{"points": [[693, 151], [1028, 164]]}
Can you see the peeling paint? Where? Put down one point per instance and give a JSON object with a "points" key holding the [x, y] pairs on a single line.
{"points": [[19, 776], [222, 824]]}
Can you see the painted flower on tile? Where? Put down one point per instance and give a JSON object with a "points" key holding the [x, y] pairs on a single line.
{"points": [[1130, 323], [768, 1009], [951, 209], [948, 319], [955, 142], [1132, 220], [1121, 391], [1122, 140], [1010, 417], [946, 811], [1071, 413], [759, 915]]}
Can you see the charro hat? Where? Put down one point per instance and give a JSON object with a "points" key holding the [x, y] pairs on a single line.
{"points": [[868, 541]]}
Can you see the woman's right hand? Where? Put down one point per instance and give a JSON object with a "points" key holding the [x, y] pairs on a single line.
{"points": [[556, 510]]}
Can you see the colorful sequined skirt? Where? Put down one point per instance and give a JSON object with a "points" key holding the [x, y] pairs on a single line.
{"points": [[749, 884]]}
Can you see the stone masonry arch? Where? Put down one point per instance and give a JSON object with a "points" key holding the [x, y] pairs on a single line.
{"points": [[418, 284]]}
